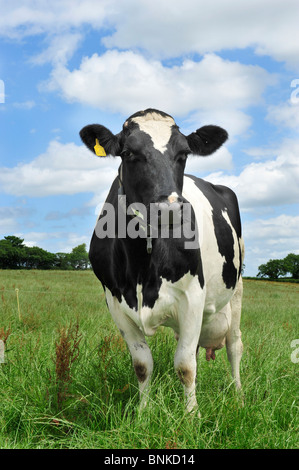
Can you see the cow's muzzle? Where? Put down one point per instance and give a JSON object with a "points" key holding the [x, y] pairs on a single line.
{"points": [[168, 213]]}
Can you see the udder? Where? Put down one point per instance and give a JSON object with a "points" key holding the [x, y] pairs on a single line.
{"points": [[213, 331], [210, 352]]}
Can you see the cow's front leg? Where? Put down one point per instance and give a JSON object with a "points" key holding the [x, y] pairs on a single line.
{"points": [[138, 347], [185, 365], [185, 362], [143, 365]]}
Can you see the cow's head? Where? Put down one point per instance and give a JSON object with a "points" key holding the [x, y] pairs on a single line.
{"points": [[153, 153]]}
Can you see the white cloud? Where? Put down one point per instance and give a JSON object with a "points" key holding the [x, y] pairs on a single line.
{"points": [[54, 242], [72, 239], [234, 120], [62, 169], [170, 29], [61, 215], [270, 28], [26, 105], [8, 222], [126, 82], [21, 19], [284, 115], [12, 218], [271, 238], [275, 230], [60, 49], [220, 160], [268, 183], [259, 153]]}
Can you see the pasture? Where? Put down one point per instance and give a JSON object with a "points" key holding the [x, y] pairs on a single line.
{"points": [[67, 379]]}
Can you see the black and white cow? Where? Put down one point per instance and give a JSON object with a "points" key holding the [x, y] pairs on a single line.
{"points": [[149, 281]]}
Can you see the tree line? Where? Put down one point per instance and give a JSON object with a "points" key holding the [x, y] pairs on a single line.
{"points": [[15, 255], [275, 268]]}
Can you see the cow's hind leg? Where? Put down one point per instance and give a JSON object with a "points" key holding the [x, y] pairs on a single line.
{"points": [[234, 346], [138, 347]]}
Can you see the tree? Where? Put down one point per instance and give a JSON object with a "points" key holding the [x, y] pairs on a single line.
{"points": [[37, 258], [79, 257], [16, 242], [272, 269], [15, 255], [12, 255], [63, 261], [291, 264]]}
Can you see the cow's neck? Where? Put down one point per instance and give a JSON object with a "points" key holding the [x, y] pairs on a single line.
{"points": [[135, 213]]}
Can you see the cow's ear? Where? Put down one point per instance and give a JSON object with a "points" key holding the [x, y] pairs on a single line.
{"points": [[206, 140], [100, 140]]}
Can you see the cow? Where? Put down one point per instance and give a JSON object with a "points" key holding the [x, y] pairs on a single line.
{"points": [[188, 280]]}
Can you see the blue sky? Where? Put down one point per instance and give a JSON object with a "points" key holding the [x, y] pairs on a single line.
{"points": [[68, 63]]}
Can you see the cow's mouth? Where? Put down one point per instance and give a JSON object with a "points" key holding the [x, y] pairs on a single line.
{"points": [[167, 214]]}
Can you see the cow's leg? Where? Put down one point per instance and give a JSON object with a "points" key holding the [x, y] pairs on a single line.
{"points": [[185, 362], [142, 361], [185, 365], [138, 347], [234, 346]]}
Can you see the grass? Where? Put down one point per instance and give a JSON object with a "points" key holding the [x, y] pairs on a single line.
{"points": [[68, 382]]}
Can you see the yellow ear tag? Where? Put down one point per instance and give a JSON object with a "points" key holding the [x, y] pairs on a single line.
{"points": [[99, 150]]}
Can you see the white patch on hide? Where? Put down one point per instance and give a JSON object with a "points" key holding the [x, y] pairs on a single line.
{"points": [[174, 301]]}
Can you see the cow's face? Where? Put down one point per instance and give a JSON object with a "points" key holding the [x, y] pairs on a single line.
{"points": [[154, 154], [153, 158]]}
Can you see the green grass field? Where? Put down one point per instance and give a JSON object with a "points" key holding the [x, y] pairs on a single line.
{"points": [[67, 380]]}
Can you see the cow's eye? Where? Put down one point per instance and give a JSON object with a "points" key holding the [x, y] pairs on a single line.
{"points": [[131, 157], [126, 154], [182, 157]]}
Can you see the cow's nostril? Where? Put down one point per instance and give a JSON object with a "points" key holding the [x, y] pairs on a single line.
{"points": [[169, 203], [162, 206], [176, 206], [165, 206], [169, 214]]}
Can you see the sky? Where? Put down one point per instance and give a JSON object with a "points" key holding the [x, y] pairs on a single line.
{"points": [[68, 63]]}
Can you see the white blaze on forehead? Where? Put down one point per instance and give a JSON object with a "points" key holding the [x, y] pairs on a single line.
{"points": [[157, 127]]}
